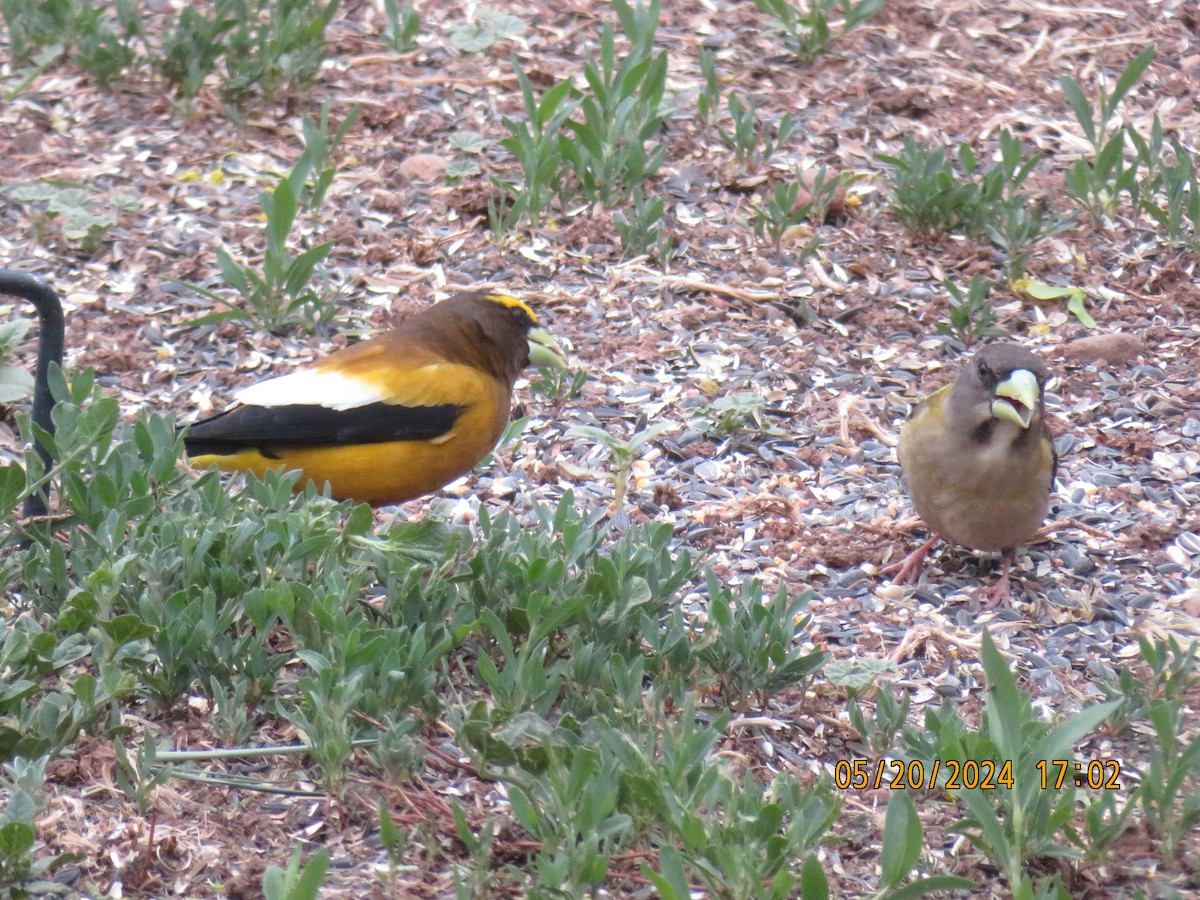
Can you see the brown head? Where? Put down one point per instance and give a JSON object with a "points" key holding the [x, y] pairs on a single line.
{"points": [[490, 331], [1001, 383]]}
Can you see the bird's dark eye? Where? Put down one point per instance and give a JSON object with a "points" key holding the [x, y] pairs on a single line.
{"points": [[986, 375], [520, 317]]}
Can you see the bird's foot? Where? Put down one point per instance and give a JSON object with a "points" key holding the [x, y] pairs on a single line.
{"points": [[999, 592], [995, 595], [908, 570]]}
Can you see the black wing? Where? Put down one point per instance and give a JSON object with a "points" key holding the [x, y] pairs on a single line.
{"points": [[311, 425]]}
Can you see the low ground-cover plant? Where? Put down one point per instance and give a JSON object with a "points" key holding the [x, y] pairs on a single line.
{"points": [[599, 143], [1016, 809], [280, 293], [162, 584], [1097, 185], [257, 51], [807, 26]]}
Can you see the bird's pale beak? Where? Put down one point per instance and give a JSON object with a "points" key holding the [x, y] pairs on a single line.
{"points": [[545, 352], [1016, 398]]}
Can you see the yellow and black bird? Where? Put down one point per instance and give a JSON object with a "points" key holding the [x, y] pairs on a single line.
{"points": [[979, 460], [391, 418]]}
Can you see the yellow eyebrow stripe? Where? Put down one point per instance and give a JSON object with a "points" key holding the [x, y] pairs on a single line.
{"points": [[511, 302]]}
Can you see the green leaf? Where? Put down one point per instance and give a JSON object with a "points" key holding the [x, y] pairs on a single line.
{"points": [[468, 141], [308, 885], [1007, 706], [1079, 105], [670, 880], [902, 839], [15, 383], [12, 486], [1075, 305], [935, 885], [1129, 77], [814, 885], [16, 839]]}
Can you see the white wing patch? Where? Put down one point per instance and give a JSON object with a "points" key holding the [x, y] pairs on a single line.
{"points": [[310, 387]]}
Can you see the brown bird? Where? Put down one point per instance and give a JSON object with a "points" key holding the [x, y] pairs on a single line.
{"points": [[979, 460], [391, 418]]}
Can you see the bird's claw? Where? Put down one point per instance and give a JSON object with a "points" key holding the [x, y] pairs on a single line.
{"points": [[908, 570], [995, 595]]}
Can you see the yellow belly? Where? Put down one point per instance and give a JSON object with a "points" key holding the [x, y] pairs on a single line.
{"points": [[381, 473]]}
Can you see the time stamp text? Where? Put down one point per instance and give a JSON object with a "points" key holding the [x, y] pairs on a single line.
{"points": [[986, 775]]}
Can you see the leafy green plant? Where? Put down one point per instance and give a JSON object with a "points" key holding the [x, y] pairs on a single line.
{"points": [[644, 232], [879, 732], [708, 101], [36, 24], [22, 872], [972, 317], [1013, 220], [736, 413], [476, 877], [926, 195], [488, 28], [313, 172], [558, 385], [231, 718], [805, 24], [16, 383], [1172, 672], [142, 588], [1012, 816], [1106, 819], [1097, 185], [276, 48], [1170, 790], [534, 141], [741, 839], [101, 37], [1015, 229], [470, 143], [1171, 193], [395, 842], [282, 296], [71, 212], [104, 46], [750, 645], [621, 111], [404, 24], [609, 150], [782, 210], [624, 453], [570, 806], [259, 50], [328, 699], [296, 882], [190, 50], [138, 775], [929, 197], [752, 144]]}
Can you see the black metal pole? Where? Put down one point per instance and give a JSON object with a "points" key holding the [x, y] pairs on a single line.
{"points": [[50, 349]]}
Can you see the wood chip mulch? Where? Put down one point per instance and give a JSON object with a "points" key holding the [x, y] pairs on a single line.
{"points": [[834, 347]]}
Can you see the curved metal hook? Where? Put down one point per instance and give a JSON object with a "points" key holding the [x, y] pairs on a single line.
{"points": [[50, 349]]}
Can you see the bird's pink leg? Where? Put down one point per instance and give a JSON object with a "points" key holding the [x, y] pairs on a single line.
{"points": [[908, 570], [999, 592]]}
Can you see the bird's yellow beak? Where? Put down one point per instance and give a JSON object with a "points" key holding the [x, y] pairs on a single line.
{"points": [[1016, 398], [544, 351]]}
